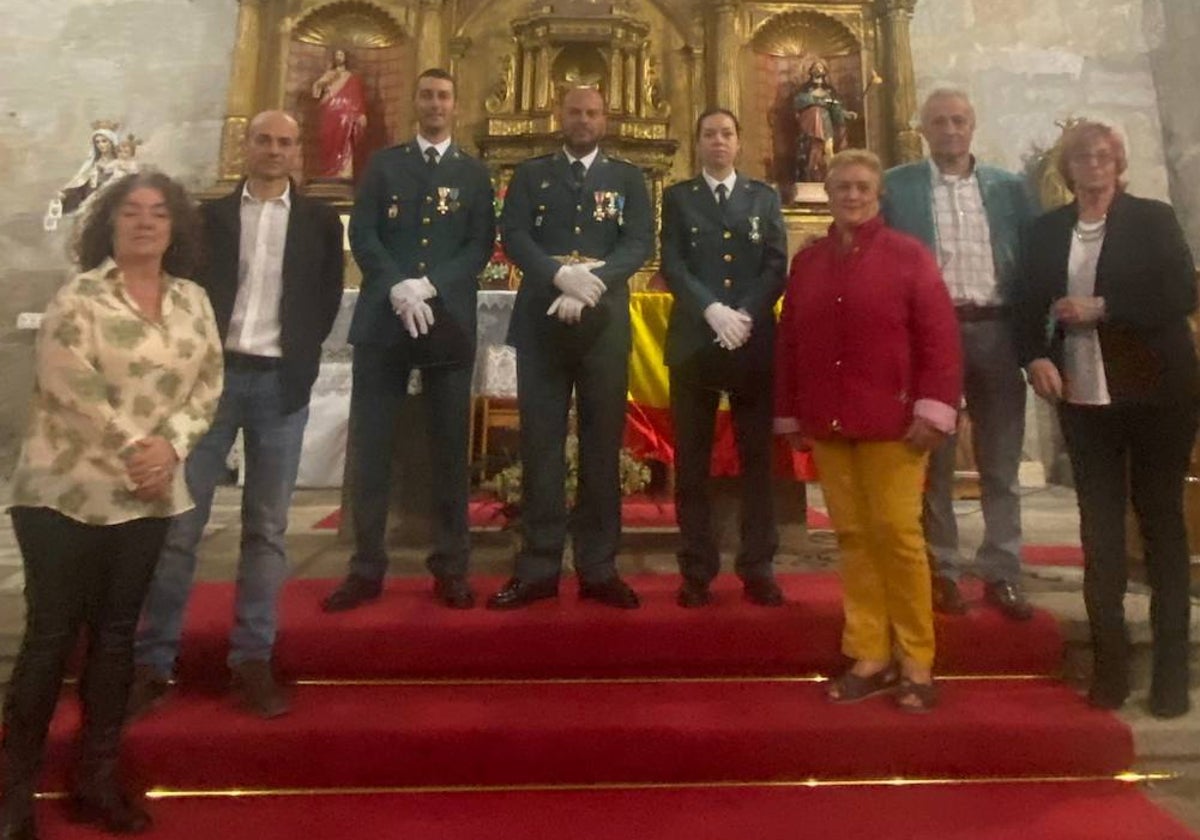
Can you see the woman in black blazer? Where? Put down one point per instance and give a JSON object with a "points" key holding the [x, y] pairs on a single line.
{"points": [[1105, 336]]}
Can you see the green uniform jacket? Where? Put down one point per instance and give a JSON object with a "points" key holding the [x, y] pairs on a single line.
{"points": [[409, 221], [546, 218]]}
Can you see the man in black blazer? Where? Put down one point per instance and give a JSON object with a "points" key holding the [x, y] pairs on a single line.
{"points": [[578, 225], [274, 275], [724, 249], [422, 229]]}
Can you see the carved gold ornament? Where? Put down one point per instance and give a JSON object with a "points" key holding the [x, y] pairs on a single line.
{"points": [[349, 24]]}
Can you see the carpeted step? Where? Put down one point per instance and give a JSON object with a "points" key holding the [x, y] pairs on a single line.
{"points": [[406, 633], [612, 732], [1053, 811]]}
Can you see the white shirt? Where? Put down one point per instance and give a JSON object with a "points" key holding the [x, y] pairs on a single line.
{"points": [[964, 240], [254, 327], [1083, 363], [713, 183], [586, 160], [441, 147]]}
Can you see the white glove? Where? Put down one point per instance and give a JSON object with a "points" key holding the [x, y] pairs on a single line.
{"points": [[411, 291], [566, 309], [417, 318], [579, 282], [732, 326]]}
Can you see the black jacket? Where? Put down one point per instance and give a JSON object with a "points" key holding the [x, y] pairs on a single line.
{"points": [[1148, 281], [313, 268]]}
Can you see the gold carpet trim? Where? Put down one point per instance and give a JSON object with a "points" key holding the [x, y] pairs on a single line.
{"points": [[1127, 777], [805, 678]]}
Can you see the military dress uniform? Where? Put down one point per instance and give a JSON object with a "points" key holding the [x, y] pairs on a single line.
{"points": [[733, 254], [416, 219], [553, 216]]}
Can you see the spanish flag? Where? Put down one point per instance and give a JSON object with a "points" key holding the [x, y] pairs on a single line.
{"points": [[648, 429]]}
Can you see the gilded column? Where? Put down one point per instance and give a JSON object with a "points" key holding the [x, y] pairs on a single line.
{"points": [[616, 84], [906, 142], [243, 88], [458, 51], [725, 45], [543, 77], [631, 82], [430, 52], [527, 60]]}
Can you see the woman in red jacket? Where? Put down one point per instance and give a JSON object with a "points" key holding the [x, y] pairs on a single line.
{"points": [[869, 373]]}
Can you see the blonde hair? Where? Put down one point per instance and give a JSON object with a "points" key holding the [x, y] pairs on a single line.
{"points": [[856, 157], [1078, 137]]}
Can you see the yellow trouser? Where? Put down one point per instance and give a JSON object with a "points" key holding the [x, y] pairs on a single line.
{"points": [[873, 490]]}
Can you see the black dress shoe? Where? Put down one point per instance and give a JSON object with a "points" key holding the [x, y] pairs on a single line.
{"points": [[1008, 598], [947, 600], [354, 591], [1103, 695], [693, 593], [763, 591], [519, 593], [454, 592], [614, 592]]}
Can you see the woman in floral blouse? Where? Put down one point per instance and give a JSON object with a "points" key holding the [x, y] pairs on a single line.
{"points": [[129, 372]]}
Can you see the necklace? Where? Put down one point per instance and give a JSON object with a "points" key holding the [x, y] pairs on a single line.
{"points": [[1090, 232]]}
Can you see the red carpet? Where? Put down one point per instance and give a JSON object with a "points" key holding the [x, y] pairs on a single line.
{"points": [[580, 695], [598, 733], [1080, 811], [406, 633]]}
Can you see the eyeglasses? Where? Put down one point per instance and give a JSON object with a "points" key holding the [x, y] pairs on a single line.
{"points": [[1101, 158]]}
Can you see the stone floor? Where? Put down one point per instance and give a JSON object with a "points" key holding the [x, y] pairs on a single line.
{"points": [[1049, 516]]}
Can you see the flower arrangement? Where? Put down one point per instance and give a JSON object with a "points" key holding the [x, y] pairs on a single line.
{"points": [[506, 484], [498, 272]]}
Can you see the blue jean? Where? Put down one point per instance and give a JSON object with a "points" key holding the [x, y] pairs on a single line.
{"points": [[251, 402]]}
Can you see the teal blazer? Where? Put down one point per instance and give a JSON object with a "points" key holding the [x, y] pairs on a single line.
{"points": [[907, 206]]}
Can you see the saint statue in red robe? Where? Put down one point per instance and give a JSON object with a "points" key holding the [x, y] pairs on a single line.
{"points": [[341, 118]]}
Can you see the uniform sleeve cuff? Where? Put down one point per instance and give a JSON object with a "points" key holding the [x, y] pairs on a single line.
{"points": [[943, 417], [786, 425]]}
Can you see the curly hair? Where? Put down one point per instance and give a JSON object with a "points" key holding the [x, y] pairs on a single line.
{"points": [[94, 242]]}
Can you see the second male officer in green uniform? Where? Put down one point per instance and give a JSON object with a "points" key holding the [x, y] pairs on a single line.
{"points": [[724, 251], [422, 229], [578, 225]]}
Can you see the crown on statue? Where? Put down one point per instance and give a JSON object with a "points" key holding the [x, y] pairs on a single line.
{"points": [[105, 125]]}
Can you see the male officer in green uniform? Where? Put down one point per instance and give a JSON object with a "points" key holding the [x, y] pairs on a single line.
{"points": [[578, 225], [422, 229], [724, 252]]}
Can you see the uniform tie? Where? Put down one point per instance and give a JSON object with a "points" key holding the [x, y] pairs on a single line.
{"points": [[577, 173], [721, 196], [431, 157]]}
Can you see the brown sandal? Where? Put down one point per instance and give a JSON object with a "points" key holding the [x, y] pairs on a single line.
{"points": [[851, 688], [916, 698]]}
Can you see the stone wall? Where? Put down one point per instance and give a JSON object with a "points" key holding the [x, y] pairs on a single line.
{"points": [[1175, 60], [159, 67], [1028, 63]]}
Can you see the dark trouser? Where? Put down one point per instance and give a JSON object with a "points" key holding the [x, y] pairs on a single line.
{"points": [[546, 376], [76, 574], [380, 384], [1144, 447], [693, 414]]}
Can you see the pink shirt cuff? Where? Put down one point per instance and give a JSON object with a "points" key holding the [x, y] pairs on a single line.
{"points": [[786, 425], [943, 417]]}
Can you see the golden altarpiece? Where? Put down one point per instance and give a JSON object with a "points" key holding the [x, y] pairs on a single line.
{"points": [[658, 62]]}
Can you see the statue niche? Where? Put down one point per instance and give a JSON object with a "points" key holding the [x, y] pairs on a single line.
{"points": [[806, 76], [344, 83]]}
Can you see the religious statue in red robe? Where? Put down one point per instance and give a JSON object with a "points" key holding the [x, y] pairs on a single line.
{"points": [[341, 118]]}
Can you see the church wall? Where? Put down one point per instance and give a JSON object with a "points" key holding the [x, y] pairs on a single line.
{"points": [[1028, 63], [1176, 64], [159, 67]]}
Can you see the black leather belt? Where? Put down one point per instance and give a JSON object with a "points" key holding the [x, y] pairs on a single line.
{"points": [[981, 312], [245, 361]]}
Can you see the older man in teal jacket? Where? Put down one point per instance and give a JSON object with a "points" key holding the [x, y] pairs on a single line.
{"points": [[974, 219]]}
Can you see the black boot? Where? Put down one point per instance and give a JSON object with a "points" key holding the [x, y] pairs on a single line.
{"points": [[1110, 667], [1170, 681], [22, 754], [97, 796]]}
